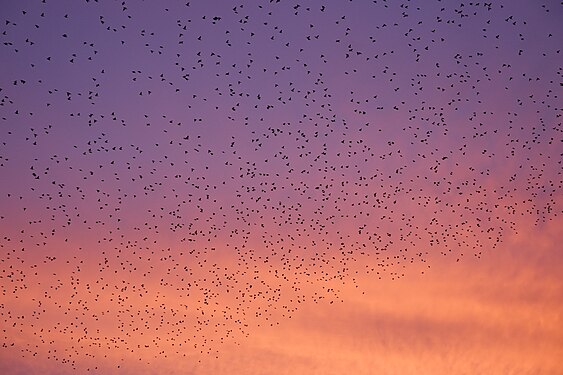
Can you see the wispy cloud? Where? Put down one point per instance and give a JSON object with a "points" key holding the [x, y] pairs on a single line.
{"points": [[501, 315]]}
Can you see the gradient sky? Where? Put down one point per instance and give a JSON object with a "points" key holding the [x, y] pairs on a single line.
{"points": [[283, 187]]}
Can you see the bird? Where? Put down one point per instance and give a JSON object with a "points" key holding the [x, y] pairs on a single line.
{"points": [[176, 177]]}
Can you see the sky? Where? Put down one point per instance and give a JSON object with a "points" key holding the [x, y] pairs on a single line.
{"points": [[282, 187]]}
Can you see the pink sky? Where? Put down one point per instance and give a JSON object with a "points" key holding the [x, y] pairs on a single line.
{"points": [[500, 314]]}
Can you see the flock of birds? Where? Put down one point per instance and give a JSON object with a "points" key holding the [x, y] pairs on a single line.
{"points": [[174, 175]]}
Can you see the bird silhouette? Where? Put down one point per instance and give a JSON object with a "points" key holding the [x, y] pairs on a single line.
{"points": [[175, 176]]}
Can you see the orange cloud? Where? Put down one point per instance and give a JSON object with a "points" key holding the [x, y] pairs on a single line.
{"points": [[499, 315]]}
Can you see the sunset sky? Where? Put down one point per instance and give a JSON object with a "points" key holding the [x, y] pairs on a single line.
{"points": [[281, 187]]}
